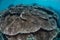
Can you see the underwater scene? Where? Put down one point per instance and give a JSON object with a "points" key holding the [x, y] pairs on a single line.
{"points": [[29, 19]]}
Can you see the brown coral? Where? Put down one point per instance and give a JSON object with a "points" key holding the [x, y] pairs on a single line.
{"points": [[27, 19]]}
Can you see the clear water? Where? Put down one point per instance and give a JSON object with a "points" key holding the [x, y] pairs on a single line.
{"points": [[55, 4]]}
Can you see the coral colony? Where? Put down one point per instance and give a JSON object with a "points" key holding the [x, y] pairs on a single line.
{"points": [[28, 22]]}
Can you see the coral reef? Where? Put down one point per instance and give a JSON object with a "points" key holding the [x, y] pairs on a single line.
{"points": [[24, 22]]}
